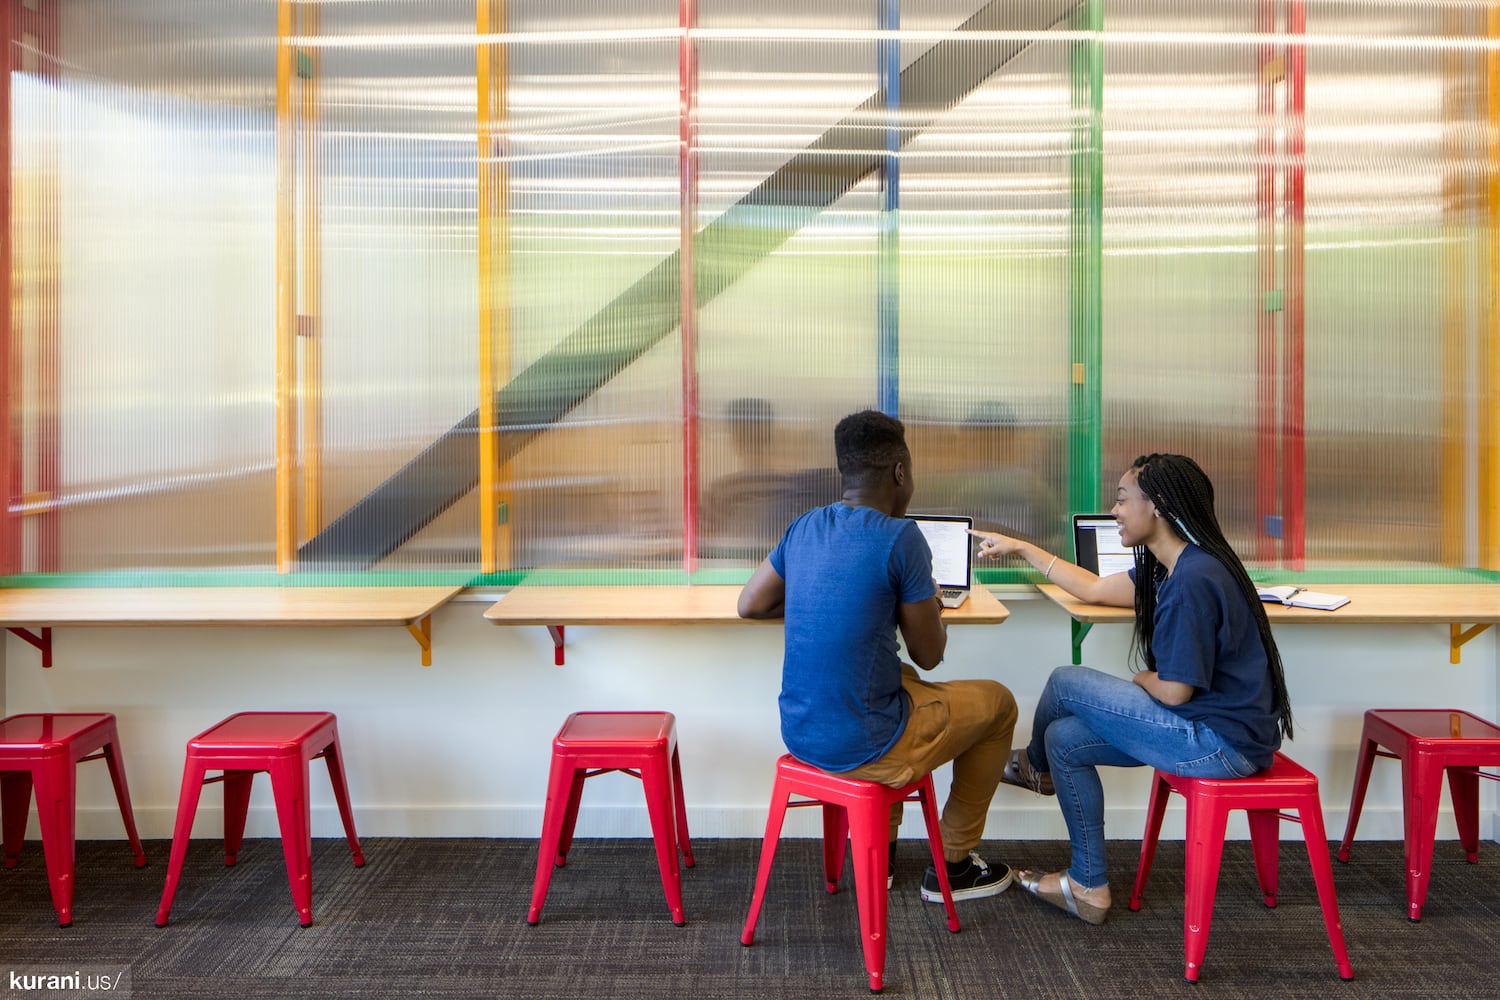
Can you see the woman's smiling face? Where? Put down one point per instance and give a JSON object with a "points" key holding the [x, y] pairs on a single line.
{"points": [[1134, 513]]}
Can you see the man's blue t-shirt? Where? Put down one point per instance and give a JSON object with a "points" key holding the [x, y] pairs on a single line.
{"points": [[1206, 636], [846, 570]]}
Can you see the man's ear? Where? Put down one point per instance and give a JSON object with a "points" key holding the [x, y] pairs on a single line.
{"points": [[898, 473]]}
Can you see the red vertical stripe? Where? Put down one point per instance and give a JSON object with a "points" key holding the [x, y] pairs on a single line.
{"points": [[1293, 452], [48, 387], [10, 461]]}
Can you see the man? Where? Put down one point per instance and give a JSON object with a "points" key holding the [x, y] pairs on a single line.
{"points": [[846, 577]]}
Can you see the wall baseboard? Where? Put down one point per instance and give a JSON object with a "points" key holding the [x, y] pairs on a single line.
{"points": [[1032, 821]]}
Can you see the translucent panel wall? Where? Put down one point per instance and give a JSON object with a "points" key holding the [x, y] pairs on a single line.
{"points": [[403, 288], [153, 141]]}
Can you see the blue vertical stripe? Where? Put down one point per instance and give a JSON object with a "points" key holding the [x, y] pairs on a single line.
{"points": [[889, 275]]}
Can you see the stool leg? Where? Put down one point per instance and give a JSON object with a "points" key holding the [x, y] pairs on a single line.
{"points": [[1357, 798], [56, 810], [236, 806], [1423, 783], [182, 830], [335, 760], [289, 781], [1205, 850], [1156, 810], [656, 782], [774, 820], [680, 803], [926, 796], [564, 784], [868, 828], [564, 843], [835, 842], [15, 806], [1265, 845], [1310, 810], [1463, 787], [116, 761]]}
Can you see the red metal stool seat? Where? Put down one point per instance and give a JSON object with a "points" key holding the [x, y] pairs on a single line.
{"points": [[1428, 742], [857, 810], [282, 744], [641, 744], [1284, 785], [42, 751]]}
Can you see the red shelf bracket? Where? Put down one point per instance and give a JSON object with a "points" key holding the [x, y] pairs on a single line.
{"points": [[556, 631], [42, 642]]}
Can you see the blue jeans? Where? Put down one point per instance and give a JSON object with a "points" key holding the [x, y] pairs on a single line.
{"points": [[1086, 718]]}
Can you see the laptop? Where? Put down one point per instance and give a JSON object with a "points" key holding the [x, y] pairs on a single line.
{"points": [[1097, 546], [952, 553]]}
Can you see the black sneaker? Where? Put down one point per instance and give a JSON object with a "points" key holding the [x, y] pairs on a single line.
{"points": [[973, 879]]}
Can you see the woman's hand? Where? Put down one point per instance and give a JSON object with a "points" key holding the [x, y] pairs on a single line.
{"points": [[993, 545], [1116, 589]]}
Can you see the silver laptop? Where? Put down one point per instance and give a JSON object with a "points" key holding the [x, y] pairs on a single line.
{"points": [[952, 554], [1097, 546]]}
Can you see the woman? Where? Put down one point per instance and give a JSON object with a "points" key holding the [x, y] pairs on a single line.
{"points": [[1211, 701]]}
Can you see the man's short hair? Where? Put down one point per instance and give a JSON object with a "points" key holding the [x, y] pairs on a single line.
{"points": [[869, 442]]}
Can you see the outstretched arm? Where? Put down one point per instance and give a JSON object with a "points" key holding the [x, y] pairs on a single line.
{"points": [[1117, 589]]}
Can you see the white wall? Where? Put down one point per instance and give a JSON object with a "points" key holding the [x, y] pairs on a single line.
{"points": [[461, 748]]}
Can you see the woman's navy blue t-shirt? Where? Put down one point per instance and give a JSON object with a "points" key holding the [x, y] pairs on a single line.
{"points": [[1206, 636]]}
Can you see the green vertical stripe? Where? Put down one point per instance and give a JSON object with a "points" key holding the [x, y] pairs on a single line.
{"points": [[1086, 258]]}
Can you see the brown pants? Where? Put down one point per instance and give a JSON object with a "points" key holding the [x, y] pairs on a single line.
{"points": [[967, 722]]}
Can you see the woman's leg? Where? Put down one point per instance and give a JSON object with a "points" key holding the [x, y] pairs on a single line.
{"points": [[1074, 753], [1092, 718]]}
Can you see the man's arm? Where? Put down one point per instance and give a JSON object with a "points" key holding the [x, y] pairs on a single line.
{"points": [[765, 595], [921, 624]]}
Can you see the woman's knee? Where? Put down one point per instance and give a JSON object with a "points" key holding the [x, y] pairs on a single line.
{"points": [[1064, 736]]}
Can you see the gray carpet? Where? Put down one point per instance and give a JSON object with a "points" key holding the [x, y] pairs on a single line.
{"points": [[446, 918]]}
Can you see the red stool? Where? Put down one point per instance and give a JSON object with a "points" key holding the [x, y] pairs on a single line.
{"points": [[43, 751], [282, 744], [1427, 742], [641, 744], [1283, 785], [851, 809]]}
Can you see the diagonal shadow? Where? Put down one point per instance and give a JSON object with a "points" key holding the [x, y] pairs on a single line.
{"points": [[646, 312]]}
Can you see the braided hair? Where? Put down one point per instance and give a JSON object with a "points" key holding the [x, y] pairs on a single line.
{"points": [[1184, 496]]}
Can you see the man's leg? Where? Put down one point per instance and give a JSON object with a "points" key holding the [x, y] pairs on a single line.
{"points": [[968, 722]]}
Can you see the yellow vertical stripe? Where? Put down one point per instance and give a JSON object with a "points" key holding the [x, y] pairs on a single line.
{"points": [[488, 450], [286, 297], [1489, 419]]}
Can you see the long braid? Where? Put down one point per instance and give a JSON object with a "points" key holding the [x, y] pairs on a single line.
{"points": [[1184, 495]]}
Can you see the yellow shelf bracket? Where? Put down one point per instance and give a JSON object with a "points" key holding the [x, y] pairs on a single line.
{"points": [[422, 632], [1458, 635]]}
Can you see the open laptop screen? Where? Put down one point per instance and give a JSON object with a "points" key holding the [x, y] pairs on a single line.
{"points": [[952, 547], [1097, 546]]}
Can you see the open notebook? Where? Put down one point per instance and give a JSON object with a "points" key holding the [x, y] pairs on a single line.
{"points": [[1297, 597]]}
